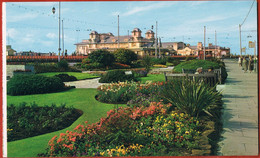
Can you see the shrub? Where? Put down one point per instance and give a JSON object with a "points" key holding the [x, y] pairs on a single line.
{"points": [[190, 96], [174, 61], [25, 121], [63, 64], [205, 64], [93, 66], [52, 67], [115, 76], [102, 57], [147, 63], [33, 84], [66, 77], [161, 61], [125, 56]]}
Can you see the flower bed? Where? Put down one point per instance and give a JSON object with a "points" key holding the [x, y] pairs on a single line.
{"points": [[122, 92], [28, 121], [129, 131]]}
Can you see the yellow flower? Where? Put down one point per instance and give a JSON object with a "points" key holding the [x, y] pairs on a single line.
{"points": [[187, 132], [102, 153]]}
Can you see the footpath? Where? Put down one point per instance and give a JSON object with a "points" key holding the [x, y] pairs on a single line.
{"points": [[240, 112]]}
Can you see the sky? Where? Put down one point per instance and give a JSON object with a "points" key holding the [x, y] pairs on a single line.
{"points": [[33, 26]]}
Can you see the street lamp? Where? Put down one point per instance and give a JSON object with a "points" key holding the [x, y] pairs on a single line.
{"points": [[53, 11]]}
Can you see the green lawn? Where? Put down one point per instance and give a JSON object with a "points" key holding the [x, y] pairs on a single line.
{"points": [[152, 77], [78, 75], [83, 99]]}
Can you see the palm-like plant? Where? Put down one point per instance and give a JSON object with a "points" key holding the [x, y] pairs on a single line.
{"points": [[191, 96]]}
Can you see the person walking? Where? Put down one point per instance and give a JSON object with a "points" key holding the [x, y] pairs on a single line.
{"points": [[250, 64], [239, 61], [244, 64]]}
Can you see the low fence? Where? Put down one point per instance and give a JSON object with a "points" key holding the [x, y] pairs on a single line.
{"points": [[11, 59]]}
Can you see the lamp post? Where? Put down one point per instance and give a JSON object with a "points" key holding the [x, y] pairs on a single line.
{"points": [[53, 11]]}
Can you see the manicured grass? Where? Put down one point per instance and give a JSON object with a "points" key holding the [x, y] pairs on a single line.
{"points": [[83, 99], [152, 77], [78, 75]]}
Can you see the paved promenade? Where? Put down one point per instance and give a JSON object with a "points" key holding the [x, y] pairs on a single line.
{"points": [[240, 114], [90, 83]]}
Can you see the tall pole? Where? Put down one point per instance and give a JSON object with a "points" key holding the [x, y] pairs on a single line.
{"points": [[59, 35], [159, 47], [128, 38], [62, 39], [215, 43], [156, 42], [118, 31], [204, 42], [254, 49], [240, 43]]}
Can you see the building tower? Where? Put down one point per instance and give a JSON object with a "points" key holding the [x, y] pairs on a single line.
{"points": [[94, 37], [149, 35], [137, 34]]}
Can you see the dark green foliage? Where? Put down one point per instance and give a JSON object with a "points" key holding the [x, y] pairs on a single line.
{"points": [[205, 64], [194, 64], [93, 66], [125, 56], [53, 67], [161, 61], [27, 121], [33, 84], [66, 77], [147, 63], [115, 76], [190, 96], [174, 61], [103, 57], [63, 64]]}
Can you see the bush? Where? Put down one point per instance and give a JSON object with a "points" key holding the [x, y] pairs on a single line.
{"points": [[205, 64], [125, 56], [194, 64], [174, 61], [66, 77], [147, 63], [33, 84], [53, 67], [27, 121], [115, 76], [93, 66], [161, 61], [102, 57], [63, 64]]}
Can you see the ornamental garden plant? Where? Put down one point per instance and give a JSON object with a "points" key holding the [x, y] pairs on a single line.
{"points": [[144, 128], [25, 121], [34, 84]]}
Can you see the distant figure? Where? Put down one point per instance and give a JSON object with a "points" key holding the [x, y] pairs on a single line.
{"points": [[199, 70], [244, 64], [250, 64], [239, 61]]}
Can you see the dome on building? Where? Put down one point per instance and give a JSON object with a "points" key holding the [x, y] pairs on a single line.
{"points": [[149, 31], [136, 30], [94, 32]]}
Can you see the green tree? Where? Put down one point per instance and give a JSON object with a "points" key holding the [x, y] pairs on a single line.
{"points": [[102, 56], [147, 63], [125, 56]]}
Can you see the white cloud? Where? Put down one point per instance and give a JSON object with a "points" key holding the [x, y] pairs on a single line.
{"points": [[12, 33], [152, 6], [38, 4], [51, 35], [21, 17]]}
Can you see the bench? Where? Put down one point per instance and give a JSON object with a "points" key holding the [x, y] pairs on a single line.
{"points": [[216, 71], [209, 78]]}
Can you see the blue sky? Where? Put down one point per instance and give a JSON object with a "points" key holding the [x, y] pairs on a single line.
{"points": [[32, 26]]}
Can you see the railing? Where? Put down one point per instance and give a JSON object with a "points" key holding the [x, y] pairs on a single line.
{"points": [[43, 58], [209, 78]]}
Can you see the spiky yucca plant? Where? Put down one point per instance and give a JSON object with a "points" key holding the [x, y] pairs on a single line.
{"points": [[191, 96]]}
